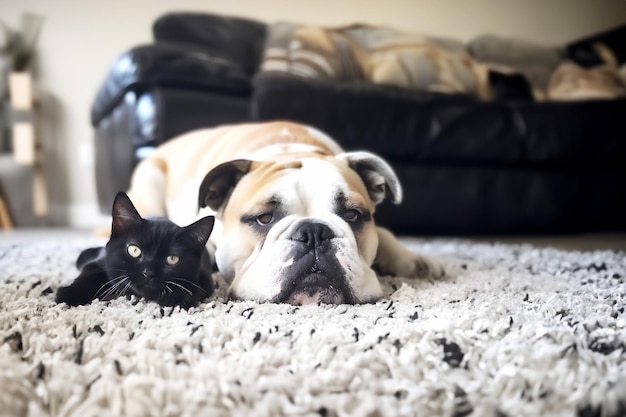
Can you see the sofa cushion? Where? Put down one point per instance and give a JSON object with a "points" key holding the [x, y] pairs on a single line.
{"points": [[441, 199], [385, 56], [573, 82], [377, 54], [168, 65], [309, 52], [535, 61], [240, 40], [585, 54], [451, 129]]}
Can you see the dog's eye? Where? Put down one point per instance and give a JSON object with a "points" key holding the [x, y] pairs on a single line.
{"points": [[172, 260], [265, 219], [351, 216], [134, 251]]}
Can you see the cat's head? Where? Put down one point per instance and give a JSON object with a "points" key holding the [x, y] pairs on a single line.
{"points": [[155, 258]]}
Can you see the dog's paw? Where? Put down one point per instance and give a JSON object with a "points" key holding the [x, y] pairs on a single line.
{"points": [[425, 267], [411, 265], [395, 259]]}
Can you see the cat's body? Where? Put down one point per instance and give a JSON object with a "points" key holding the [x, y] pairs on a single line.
{"points": [[152, 259]]}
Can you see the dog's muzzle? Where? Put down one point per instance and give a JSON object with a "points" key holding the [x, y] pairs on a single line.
{"points": [[315, 275]]}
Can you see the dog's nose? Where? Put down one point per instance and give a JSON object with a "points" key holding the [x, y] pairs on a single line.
{"points": [[313, 234]]}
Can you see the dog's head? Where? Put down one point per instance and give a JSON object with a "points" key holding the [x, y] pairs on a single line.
{"points": [[300, 229]]}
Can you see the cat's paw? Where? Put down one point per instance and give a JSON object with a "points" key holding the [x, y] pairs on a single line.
{"points": [[71, 297]]}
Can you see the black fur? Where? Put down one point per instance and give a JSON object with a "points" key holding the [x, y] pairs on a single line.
{"points": [[110, 272]]}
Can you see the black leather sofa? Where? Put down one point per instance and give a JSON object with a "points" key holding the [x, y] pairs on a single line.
{"points": [[467, 166]]}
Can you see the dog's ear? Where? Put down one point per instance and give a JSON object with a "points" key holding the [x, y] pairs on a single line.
{"points": [[379, 178], [219, 183]]}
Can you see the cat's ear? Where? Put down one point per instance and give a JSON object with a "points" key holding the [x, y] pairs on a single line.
{"points": [[125, 215], [201, 230]]}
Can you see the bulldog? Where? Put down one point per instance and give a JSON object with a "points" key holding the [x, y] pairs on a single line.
{"points": [[294, 213]]}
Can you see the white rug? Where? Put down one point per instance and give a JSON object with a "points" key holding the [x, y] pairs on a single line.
{"points": [[515, 331]]}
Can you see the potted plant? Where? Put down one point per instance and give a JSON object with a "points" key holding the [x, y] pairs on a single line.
{"points": [[19, 49]]}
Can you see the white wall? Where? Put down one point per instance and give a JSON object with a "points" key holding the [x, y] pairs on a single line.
{"points": [[81, 38]]}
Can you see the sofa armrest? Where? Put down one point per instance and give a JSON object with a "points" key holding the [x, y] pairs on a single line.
{"points": [[240, 40], [170, 65]]}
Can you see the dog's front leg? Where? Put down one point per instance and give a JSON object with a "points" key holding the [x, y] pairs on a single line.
{"points": [[394, 259]]}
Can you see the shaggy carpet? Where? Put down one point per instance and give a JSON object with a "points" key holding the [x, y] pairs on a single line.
{"points": [[514, 330]]}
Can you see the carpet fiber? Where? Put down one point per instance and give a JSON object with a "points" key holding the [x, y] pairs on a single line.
{"points": [[514, 330]]}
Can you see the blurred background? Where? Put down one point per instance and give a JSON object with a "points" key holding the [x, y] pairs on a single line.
{"points": [[80, 40]]}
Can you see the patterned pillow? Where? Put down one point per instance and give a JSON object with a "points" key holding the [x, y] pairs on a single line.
{"points": [[375, 54]]}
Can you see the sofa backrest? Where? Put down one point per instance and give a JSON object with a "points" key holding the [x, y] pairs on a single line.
{"points": [[236, 38]]}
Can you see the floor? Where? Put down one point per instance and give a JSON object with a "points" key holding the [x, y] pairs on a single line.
{"points": [[26, 235], [582, 242]]}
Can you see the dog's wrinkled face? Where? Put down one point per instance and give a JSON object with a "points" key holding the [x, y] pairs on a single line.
{"points": [[299, 231]]}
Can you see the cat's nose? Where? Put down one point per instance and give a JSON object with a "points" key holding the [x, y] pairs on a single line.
{"points": [[148, 273]]}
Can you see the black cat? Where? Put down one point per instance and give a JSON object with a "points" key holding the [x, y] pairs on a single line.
{"points": [[150, 258]]}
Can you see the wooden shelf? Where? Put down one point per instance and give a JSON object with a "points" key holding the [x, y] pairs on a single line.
{"points": [[5, 216], [27, 147]]}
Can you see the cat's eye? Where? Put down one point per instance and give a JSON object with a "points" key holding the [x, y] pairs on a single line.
{"points": [[172, 260], [134, 251]]}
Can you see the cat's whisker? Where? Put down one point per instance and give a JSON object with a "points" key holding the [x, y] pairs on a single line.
{"points": [[113, 291], [121, 287], [187, 290], [123, 292], [115, 282], [190, 282]]}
